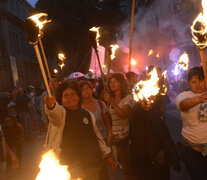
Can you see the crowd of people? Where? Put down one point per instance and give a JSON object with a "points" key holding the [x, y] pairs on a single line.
{"points": [[103, 133]]}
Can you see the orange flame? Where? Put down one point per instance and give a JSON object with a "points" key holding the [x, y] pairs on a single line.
{"points": [[55, 71], [157, 55], [61, 56], [36, 19], [133, 62], [96, 29], [144, 90], [50, 168], [183, 61], [201, 19], [164, 84], [150, 52], [113, 49]]}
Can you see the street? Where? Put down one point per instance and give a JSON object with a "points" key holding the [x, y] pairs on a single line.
{"points": [[32, 150]]}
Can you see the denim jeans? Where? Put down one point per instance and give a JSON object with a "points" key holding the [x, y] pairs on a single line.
{"points": [[195, 162]]}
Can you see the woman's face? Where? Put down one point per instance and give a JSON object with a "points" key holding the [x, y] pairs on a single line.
{"points": [[114, 85], [197, 85], [86, 91], [70, 99]]}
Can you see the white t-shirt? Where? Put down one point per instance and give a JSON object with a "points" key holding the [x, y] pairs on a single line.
{"points": [[194, 120], [120, 127]]}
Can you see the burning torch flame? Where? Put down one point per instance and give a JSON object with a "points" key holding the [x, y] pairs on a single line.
{"points": [[36, 19], [143, 90], [183, 61], [113, 49], [164, 83], [157, 55], [96, 29], [133, 62], [61, 56], [200, 34], [50, 168], [150, 52]]}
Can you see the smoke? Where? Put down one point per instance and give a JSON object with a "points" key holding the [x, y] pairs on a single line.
{"points": [[162, 27]]}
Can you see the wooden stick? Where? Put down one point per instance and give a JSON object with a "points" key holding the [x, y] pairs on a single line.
{"points": [[45, 59], [204, 63], [109, 68], [102, 74], [131, 34], [42, 69]]}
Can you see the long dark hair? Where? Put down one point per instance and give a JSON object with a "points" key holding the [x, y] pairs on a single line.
{"points": [[124, 86], [72, 84]]}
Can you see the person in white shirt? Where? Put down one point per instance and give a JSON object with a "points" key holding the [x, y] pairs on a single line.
{"points": [[193, 107], [121, 103]]}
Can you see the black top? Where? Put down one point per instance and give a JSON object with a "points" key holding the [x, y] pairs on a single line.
{"points": [[149, 135], [21, 103], [79, 145]]}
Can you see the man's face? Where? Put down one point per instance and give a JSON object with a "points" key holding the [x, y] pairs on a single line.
{"points": [[197, 85]]}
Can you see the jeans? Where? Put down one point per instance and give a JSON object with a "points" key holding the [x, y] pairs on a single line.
{"points": [[195, 162]]}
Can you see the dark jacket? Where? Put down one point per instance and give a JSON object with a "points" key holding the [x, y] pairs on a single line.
{"points": [[149, 136]]}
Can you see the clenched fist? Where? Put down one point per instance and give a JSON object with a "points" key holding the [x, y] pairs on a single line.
{"points": [[50, 101]]}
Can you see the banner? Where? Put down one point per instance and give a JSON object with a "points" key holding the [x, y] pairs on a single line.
{"points": [[94, 67]]}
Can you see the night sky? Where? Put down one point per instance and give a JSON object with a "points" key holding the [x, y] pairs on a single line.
{"points": [[32, 2]]}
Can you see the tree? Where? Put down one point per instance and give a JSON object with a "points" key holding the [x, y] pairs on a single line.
{"points": [[72, 20]]}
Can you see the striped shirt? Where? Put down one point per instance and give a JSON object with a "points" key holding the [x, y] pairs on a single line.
{"points": [[120, 127]]}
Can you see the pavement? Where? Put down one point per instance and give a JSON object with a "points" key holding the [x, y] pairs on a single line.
{"points": [[32, 150]]}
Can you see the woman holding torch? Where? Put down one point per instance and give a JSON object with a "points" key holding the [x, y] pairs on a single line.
{"points": [[82, 146], [193, 108], [121, 103]]}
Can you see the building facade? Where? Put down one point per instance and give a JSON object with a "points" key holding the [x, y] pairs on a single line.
{"points": [[18, 64]]}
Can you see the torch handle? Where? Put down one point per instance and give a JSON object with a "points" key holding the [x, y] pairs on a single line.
{"points": [[204, 63], [42, 69], [109, 68], [44, 57], [102, 74]]}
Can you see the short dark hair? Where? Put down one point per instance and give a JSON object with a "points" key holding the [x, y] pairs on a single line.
{"points": [[196, 71], [85, 83], [72, 84], [130, 74]]}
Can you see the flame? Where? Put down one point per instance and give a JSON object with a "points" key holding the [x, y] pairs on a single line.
{"points": [[62, 65], [150, 52], [157, 55], [144, 90], [55, 71], [61, 56], [36, 19], [113, 49], [96, 29], [51, 169], [104, 66], [183, 61], [91, 70], [164, 83], [133, 62], [200, 35]]}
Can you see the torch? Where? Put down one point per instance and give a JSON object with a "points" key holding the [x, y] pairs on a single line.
{"points": [[145, 90], [199, 33], [33, 32], [61, 58], [94, 38], [112, 50], [183, 61]]}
